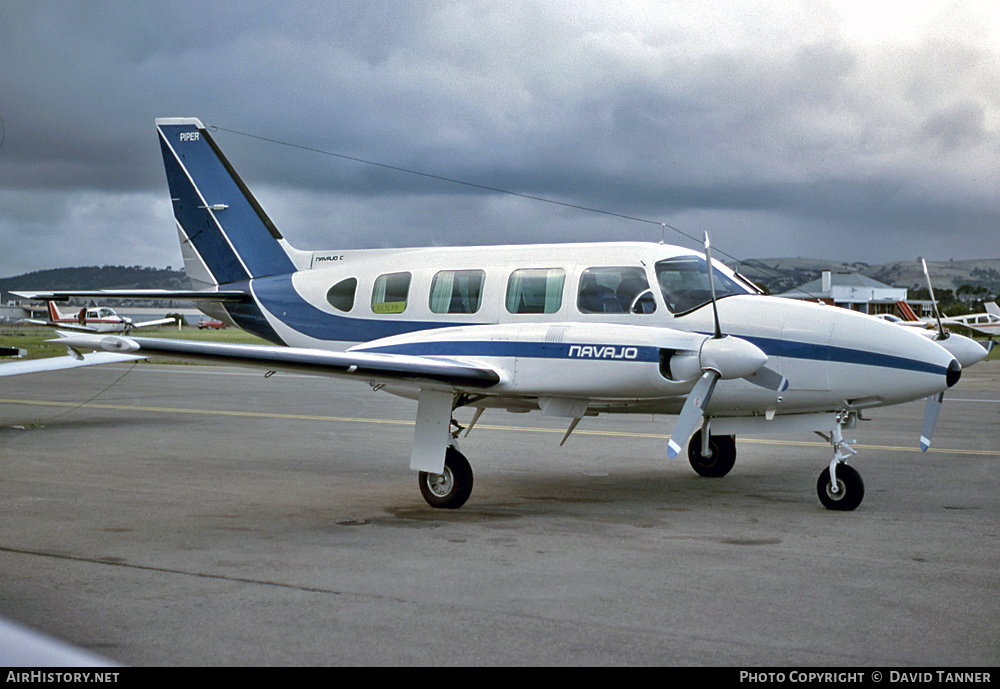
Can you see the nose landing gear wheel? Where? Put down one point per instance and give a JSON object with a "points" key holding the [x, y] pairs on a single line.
{"points": [[850, 489], [448, 490]]}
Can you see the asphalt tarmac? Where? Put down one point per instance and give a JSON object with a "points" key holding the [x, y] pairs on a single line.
{"points": [[207, 516]]}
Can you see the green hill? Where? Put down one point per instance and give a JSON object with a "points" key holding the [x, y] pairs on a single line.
{"points": [[96, 277]]}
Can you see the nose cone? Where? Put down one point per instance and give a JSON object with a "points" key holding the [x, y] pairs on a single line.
{"points": [[954, 373], [965, 349], [898, 364]]}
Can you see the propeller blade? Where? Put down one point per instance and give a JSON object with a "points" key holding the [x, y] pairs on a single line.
{"points": [[768, 378], [711, 284], [931, 412], [930, 288], [692, 411]]}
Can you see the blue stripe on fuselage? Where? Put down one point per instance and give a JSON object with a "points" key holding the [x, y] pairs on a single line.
{"points": [[535, 350], [840, 355], [278, 296]]}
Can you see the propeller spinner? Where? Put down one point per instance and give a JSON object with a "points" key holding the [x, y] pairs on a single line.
{"points": [[722, 357]]}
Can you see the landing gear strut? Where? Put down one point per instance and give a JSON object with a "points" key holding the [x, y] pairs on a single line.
{"points": [[452, 487], [840, 486]]}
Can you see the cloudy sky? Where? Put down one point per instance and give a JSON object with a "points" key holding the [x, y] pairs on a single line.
{"points": [[861, 131]]}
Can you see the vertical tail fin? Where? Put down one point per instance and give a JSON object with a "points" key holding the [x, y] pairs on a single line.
{"points": [[906, 311], [54, 313], [226, 236]]}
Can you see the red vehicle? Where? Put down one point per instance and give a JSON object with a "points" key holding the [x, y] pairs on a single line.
{"points": [[211, 324]]}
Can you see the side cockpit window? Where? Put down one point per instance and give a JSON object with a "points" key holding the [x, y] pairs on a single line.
{"points": [[685, 286], [341, 295], [390, 293], [457, 291], [622, 289]]}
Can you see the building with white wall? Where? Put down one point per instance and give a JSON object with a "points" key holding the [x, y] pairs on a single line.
{"points": [[850, 291]]}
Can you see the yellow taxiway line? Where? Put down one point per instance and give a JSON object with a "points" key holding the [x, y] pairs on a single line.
{"points": [[404, 422]]}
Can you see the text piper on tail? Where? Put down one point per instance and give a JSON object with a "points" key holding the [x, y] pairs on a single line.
{"points": [[570, 330]]}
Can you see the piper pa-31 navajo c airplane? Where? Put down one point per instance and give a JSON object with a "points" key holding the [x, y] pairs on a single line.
{"points": [[92, 319], [571, 330]]}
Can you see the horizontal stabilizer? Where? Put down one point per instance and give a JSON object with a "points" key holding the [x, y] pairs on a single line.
{"points": [[192, 295]]}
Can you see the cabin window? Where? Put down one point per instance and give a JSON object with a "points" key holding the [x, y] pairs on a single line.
{"points": [[615, 290], [341, 295], [390, 292], [535, 290], [685, 286], [457, 291]]}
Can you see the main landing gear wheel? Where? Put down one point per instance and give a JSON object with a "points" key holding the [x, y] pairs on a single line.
{"points": [[452, 488], [850, 489], [722, 459]]}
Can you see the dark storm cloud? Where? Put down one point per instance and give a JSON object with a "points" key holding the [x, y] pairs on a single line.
{"points": [[771, 125]]}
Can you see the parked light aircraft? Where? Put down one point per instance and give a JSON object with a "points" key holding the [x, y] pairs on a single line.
{"points": [[91, 319], [987, 323], [570, 330], [965, 349]]}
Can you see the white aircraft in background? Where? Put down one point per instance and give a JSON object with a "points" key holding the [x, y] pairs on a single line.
{"points": [[966, 350], [91, 319], [987, 323], [570, 330]]}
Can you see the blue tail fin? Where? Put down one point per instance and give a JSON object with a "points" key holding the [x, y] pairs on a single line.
{"points": [[226, 229]]}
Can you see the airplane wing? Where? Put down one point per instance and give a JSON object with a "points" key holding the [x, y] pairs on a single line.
{"points": [[418, 370], [159, 321], [63, 326], [193, 295], [61, 363], [971, 328]]}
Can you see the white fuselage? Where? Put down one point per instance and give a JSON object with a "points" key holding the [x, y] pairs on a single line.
{"points": [[564, 347]]}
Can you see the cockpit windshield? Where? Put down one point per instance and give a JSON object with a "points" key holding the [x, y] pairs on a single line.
{"points": [[684, 283]]}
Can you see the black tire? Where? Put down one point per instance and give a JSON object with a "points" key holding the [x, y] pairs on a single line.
{"points": [[850, 489], [723, 455], [451, 489]]}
